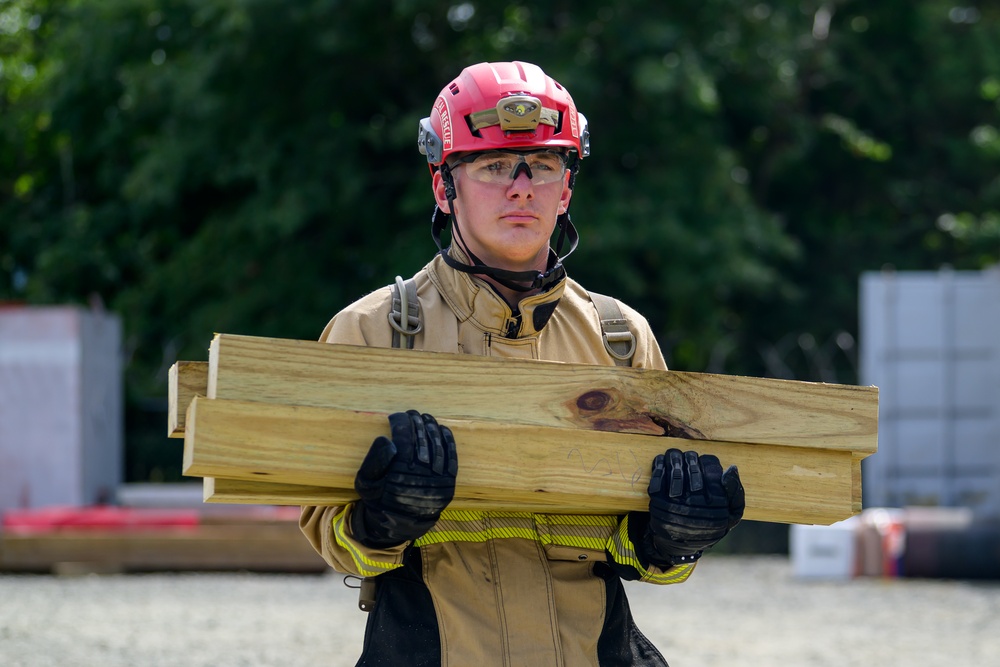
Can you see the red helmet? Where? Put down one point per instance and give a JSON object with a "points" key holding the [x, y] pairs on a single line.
{"points": [[502, 106]]}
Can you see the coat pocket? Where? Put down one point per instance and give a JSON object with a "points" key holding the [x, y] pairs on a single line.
{"points": [[575, 537]]}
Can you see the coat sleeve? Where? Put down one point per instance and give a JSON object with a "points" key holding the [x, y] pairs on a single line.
{"points": [[328, 529], [624, 555], [624, 547]]}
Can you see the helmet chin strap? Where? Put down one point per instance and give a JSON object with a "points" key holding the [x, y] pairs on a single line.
{"points": [[519, 281]]}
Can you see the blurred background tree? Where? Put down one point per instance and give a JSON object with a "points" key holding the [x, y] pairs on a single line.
{"points": [[249, 166]]}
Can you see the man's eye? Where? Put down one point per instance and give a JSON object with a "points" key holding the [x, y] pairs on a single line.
{"points": [[497, 166], [542, 166]]}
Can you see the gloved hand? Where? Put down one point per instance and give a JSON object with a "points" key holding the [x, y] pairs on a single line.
{"points": [[406, 482], [692, 505]]}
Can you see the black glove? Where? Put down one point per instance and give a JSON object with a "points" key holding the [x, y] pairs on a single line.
{"points": [[692, 505], [406, 482]]}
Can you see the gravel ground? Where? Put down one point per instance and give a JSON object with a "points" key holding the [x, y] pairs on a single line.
{"points": [[736, 611]]}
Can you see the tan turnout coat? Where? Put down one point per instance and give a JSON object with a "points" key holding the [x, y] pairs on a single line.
{"points": [[499, 588]]}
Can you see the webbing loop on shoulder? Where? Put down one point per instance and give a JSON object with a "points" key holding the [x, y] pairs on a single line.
{"points": [[619, 340], [404, 300]]}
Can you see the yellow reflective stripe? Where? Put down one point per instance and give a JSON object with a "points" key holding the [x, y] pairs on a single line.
{"points": [[623, 551], [499, 525], [476, 515], [366, 566], [606, 520], [578, 531], [438, 536], [473, 526], [621, 548], [674, 575]]}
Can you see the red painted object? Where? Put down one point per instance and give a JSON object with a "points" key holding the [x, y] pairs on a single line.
{"points": [[50, 519]]}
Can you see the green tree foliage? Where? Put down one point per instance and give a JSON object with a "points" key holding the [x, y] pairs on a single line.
{"points": [[249, 166], [894, 163]]}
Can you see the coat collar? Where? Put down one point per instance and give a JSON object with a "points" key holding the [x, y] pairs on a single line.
{"points": [[473, 299]]}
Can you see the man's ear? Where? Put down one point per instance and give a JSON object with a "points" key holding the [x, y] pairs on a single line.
{"points": [[440, 198], [565, 196]]}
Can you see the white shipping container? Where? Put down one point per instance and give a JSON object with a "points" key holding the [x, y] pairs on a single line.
{"points": [[931, 342], [61, 406]]}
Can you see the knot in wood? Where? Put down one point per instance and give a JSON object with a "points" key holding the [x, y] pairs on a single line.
{"points": [[593, 401]]}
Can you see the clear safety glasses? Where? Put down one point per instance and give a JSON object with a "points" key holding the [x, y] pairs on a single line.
{"points": [[501, 167]]}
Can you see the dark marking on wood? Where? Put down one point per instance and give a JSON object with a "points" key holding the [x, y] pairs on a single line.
{"points": [[674, 428], [605, 409], [593, 401]]}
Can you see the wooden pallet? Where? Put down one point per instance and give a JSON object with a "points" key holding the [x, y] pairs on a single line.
{"points": [[212, 546]]}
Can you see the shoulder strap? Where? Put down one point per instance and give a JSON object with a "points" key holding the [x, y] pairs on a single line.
{"points": [[618, 338], [404, 300]]}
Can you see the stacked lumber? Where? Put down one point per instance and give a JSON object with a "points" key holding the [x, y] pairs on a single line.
{"points": [[288, 422]]}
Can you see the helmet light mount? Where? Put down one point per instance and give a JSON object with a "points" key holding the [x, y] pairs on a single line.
{"points": [[519, 113]]}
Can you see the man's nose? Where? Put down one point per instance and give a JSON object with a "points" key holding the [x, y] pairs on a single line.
{"points": [[521, 183], [521, 187]]}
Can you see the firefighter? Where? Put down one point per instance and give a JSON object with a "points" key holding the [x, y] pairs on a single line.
{"points": [[504, 142]]}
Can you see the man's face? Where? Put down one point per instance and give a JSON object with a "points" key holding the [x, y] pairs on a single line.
{"points": [[507, 222]]}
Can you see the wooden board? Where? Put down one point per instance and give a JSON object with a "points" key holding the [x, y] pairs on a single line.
{"points": [[537, 466], [253, 492], [186, 380], [524, 392]]}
